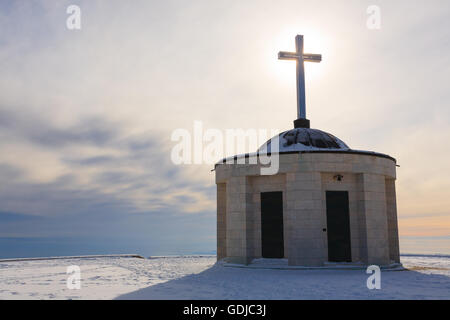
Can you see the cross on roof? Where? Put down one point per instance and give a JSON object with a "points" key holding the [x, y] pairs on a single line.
{"points": [[300, 57]]}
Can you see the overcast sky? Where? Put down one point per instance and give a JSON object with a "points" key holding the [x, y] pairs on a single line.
{"points": [[86, 115]]}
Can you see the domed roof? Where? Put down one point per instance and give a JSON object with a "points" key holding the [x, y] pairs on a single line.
{"points": [[305, 139]]}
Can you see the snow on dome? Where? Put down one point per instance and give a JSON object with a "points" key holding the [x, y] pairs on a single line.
{"points": [[305, 139]]}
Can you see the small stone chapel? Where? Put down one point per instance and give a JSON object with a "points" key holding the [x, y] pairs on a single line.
{"points": [[327, 204]]}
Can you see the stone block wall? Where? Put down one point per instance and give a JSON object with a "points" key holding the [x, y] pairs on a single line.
{"points": [[376, 219], [236, 224], [221, 221], [305, 219], [391, 203], [303, 179]]}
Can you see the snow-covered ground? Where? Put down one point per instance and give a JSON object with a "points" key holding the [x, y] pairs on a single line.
{"points": [[198, 277]]}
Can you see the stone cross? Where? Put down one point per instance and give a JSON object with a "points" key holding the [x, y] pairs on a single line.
{"points": [[300, 57]]}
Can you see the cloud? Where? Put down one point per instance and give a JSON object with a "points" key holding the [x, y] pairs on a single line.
{"points": [[101, 165], [86, 116]]}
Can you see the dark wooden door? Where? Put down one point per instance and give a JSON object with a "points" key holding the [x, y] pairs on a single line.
{"points": [[272, 224], [338, 225]]}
